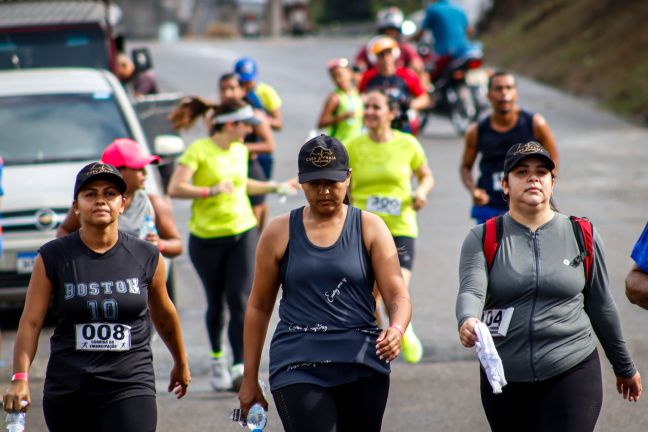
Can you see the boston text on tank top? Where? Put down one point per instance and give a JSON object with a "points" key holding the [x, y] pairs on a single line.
{"points": [[327, 308], [100, 306], [492, 146]]}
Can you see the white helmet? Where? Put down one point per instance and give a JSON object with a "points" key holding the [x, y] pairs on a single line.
{"points": [[390, 17]]}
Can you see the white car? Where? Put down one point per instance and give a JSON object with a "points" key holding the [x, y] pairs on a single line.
{"points": [[53, 122]]}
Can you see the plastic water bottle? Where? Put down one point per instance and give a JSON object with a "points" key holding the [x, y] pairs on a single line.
{"points": [[148, 226], [15, 422], [256, 418]]}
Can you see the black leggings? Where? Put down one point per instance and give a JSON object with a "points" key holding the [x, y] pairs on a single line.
{"points": [[356, 406], [81, 413], [225, 266], [569, 402]]}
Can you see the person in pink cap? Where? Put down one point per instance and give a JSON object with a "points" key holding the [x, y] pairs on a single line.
{"points": [[147, 216]]}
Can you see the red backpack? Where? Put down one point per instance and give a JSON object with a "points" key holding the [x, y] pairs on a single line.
{"points": [[583, 232]]}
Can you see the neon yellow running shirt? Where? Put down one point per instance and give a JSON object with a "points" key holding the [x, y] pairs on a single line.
{"points": [[349, 128], [381, 179], [268, 96], [225, 214]]}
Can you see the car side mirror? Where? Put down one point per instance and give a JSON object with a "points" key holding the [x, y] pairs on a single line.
{"points": [[168, 146], [142, 59]]}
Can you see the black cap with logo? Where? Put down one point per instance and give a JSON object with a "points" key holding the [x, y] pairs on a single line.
{"points": [[98, 171], [525, 150], [323, 158]]}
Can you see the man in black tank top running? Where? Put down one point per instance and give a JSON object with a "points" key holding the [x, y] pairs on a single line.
{"points": [[492, 137]]}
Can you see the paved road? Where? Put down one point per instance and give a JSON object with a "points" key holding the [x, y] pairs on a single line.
{"points": [[602, 176]]}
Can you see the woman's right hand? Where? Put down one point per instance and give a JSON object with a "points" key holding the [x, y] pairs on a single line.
{"points": [[249, 394], [13, 398], [226, 186], [467, 334]]}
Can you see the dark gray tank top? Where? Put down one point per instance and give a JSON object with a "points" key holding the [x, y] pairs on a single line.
{"points": [[327, 308]]}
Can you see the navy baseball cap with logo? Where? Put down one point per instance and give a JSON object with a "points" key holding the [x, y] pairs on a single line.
{"points": [[526, 150], [99, 171], [323, 158]]}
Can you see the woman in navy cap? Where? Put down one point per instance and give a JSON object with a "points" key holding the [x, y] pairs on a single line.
{"points": [[105, 288], [329, 361], [543, 297]]}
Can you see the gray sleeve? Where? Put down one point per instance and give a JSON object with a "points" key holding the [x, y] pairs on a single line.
{"points": [[473, 278], [604, 315]]}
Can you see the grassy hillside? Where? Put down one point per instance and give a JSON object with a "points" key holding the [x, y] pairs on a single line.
{"points": [[594, 48]]}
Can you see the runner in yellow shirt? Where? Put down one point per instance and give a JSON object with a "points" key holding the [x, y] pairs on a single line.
{"points": [[213, 172], [342, 113], [261, 96], [383, 161]]}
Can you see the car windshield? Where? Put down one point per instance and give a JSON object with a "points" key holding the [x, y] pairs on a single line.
{"points": [[57, 128], [35, 49]]}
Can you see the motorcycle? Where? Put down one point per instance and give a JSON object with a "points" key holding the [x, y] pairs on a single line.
{"points": [[459, 87]]}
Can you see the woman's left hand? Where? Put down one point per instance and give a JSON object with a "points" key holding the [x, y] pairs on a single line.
{"points": [[630, 388], [286, 188], [153, 238], [249, 394], [419, 199], [388, 344], [179, 380]]}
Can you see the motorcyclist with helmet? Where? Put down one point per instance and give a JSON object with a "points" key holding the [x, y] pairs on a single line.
{"points": [[449, 25], [389, 22], [399, 83]]}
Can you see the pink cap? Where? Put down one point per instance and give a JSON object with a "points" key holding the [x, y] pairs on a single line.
{"points": [[337, 62], [124, 152]]}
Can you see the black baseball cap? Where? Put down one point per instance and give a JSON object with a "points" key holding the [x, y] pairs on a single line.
{"points": [[323, 158], [525, 150], [98, 171]]}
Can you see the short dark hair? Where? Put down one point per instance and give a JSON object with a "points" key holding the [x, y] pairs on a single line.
{"points": [[229, 76], [497, 74]]}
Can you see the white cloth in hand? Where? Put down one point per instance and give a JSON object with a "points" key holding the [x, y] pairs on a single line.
{"points": [[489, 358]]}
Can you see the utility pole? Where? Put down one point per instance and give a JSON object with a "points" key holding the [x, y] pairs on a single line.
{"points": [[275, 18]]}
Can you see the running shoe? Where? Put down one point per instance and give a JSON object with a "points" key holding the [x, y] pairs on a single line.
{"points": [[412, 348], [220, 378], [237, 376]]}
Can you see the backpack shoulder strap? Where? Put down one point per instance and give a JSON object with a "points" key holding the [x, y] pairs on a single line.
{"points": [[585, 238], [492, 238]]}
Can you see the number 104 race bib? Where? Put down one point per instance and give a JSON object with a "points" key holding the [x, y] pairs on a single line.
{"points": [[103, 337], [497, 320]]}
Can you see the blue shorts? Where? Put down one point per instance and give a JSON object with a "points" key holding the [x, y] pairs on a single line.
{"points": [[482, 213]]}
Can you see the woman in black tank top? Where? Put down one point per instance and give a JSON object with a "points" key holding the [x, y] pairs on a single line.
{"points": [[329, 361], [105, 288]]}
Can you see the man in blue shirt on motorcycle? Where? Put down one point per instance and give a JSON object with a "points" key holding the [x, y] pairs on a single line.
{"points": [[449, 26]]}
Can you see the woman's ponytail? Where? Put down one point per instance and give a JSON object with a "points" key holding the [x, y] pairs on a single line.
{"points": [[189, 109]]}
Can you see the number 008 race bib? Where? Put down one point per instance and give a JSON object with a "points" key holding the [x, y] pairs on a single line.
{"points": [[497, 320], [103, 337]]}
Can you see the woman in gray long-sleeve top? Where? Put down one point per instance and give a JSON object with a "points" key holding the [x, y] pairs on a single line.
{"points": [[544, 336]]}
